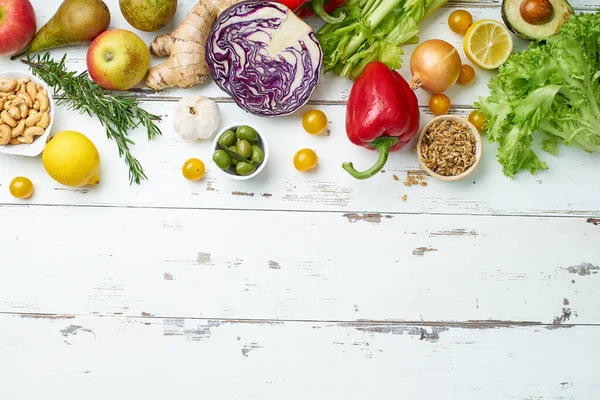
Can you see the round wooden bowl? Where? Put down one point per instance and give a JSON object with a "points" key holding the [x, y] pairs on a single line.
{"points": [[478, 147]]}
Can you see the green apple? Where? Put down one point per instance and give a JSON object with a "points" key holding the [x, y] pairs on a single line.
{"points": [[118, 59]]}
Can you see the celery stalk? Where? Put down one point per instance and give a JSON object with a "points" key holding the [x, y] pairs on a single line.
{"points": [[374, 30]]}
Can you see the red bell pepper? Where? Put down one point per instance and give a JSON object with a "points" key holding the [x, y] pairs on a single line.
{"points": [[318, 7], [382, 114]]}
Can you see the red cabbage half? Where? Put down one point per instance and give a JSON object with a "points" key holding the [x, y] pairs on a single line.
{"points": [[265, 57]]}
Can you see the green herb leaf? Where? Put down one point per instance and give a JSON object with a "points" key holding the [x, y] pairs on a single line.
{"points": [[118, 113], [233, 154]]}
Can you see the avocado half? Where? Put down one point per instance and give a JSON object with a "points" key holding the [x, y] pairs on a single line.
{"points": [[511, 14]]}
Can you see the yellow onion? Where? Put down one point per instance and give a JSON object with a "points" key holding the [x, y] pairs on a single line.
{"points": [[435, 65]]}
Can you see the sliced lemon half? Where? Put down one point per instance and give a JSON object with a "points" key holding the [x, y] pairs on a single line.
{"points": [[488, 43]]}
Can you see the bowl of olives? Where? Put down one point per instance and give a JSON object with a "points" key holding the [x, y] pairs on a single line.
{"points": [[240, 152]]}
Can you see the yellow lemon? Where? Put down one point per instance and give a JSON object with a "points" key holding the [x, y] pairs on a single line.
{"points": [[71, 159], [488, 43]]}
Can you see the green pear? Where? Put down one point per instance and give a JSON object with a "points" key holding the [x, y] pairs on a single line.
{"points": [[75, 22], [148, 15]]}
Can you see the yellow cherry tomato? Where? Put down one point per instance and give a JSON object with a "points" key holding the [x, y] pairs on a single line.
{"points": [[193, 169], [477, 119], [305, 159], [439, 104], [314, 122], [467, 74], [460, 21], [21, 187]]}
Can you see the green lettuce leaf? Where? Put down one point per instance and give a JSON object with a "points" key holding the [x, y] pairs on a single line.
{"points": [[552, 87]]}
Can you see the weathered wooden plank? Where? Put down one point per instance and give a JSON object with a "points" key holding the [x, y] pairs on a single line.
{"points": [[566, 189], [332, 88], [123, 358], [308, 266]]}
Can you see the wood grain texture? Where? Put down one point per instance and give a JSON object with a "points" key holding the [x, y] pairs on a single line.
{"points": [[155, 358], [567, 189], [328, 188], [298, 286], [332, 87], [308, 266]]}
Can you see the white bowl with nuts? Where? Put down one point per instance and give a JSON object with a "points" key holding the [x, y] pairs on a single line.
{"points": [[449, 148], [26, 114]]}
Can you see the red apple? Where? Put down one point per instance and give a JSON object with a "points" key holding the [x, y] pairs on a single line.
{"points": [[118, 59], [17, 26]]}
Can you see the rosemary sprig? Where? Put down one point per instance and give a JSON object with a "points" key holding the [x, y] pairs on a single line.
{"points": [[118, 113]]}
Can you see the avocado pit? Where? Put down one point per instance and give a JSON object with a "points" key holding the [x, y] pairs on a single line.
{"points": [[535, 19], [537, 12]]}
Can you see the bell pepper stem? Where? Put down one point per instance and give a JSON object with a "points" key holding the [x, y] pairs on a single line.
{"points": [[384, 145], [318, 7]]}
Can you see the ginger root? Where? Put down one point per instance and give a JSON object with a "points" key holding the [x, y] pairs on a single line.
{"points": [[186, 66]]}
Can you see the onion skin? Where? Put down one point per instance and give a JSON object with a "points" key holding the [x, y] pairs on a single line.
{"points": [[435, 65]]}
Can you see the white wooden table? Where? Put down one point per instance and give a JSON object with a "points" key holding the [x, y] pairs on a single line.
{"points": [[481, 289]]}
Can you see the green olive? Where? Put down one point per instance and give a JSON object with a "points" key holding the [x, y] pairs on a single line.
{"points": [[222, 159], [257, 155], [233, 160], [244, 148], [248, 133], [228, 138], [245, 168]]}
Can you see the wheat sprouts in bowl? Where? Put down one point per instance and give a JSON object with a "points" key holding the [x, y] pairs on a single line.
{"points": [[449, 148]]}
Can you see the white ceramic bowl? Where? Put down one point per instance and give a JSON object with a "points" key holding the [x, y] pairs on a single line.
{"points": [[36, 148], [262, 143], [478, 147]]}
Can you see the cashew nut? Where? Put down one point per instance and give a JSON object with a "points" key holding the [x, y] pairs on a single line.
{"points": [[8, 85], [18, 100], [41, 97], [14, 113], [24, 110], [30, 133], [33, 119], [45, 121], [31, 90], [26, 98], [4, 134], [8, 120], [18, 131]]}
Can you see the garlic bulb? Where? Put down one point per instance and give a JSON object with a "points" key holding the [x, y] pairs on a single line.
{"points": [[196, 117]]}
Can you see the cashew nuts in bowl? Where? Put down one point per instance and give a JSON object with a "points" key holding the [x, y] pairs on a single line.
{"points": [[26, 114]]}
